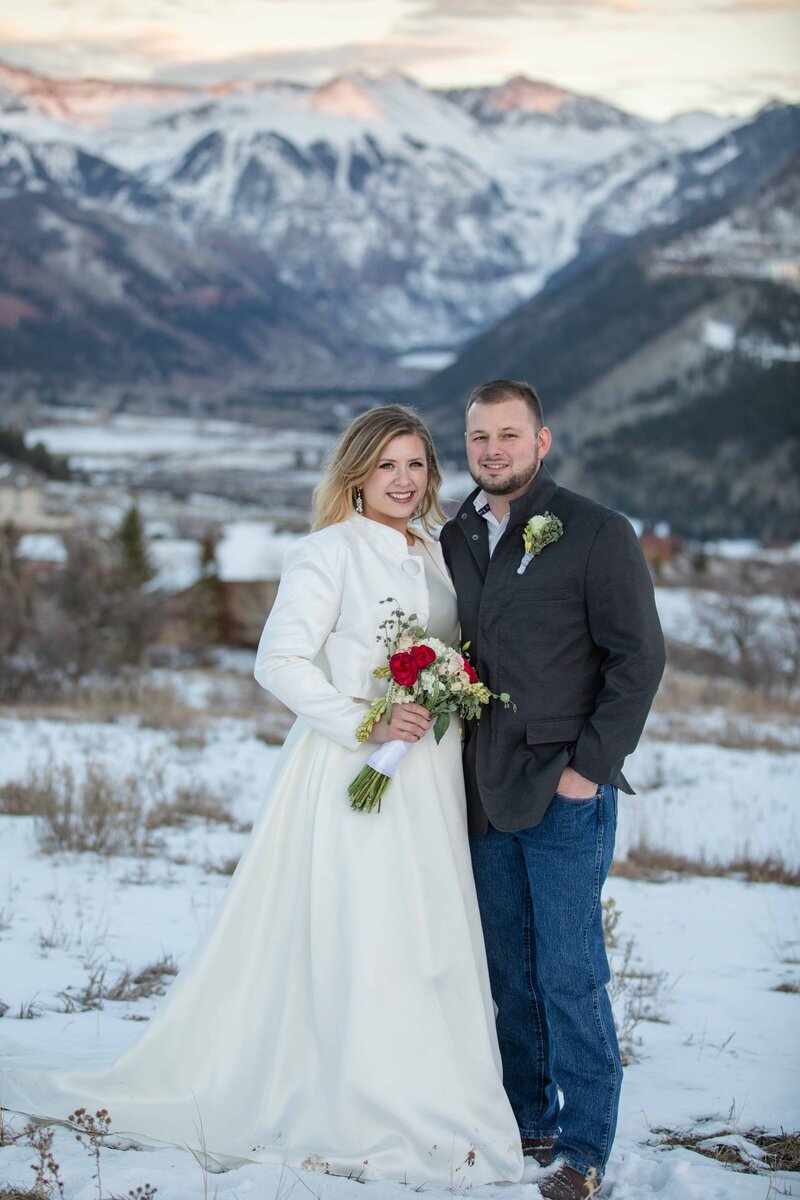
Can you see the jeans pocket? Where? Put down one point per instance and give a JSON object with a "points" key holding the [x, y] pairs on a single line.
{"points": [[575, 799]]}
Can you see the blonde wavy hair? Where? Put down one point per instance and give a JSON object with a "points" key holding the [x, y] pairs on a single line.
{"points": [[355, 456]]}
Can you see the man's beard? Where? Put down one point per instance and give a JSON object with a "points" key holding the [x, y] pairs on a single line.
{"points": [[513, 483]]}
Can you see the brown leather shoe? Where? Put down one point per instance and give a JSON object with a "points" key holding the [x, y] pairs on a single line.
{"points": [[539, 1148], [568, 1184]]}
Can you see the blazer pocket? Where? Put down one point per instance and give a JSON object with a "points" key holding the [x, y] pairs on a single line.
{"points": [[550, 593], [554, 729], [525, 597]]}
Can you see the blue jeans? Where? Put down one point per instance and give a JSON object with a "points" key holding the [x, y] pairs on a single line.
{"points": [[539, 895]]}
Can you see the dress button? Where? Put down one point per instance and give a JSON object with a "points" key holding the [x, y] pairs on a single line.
{"points": [[411, 566], [475, 537], [463, 516]]}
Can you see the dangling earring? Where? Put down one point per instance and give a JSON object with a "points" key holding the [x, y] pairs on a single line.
{"points": [[359, 502]]}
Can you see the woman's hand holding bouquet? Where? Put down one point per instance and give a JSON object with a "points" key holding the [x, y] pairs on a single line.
{"points": [[430, 680]]}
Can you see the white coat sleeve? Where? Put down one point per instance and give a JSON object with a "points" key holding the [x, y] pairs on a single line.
{"points": [[305, 612]]}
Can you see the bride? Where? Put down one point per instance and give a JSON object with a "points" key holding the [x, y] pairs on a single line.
{"points": [[336, 1014]]}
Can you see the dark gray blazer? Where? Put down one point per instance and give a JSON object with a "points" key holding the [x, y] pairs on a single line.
{"points": [[575, 640]]}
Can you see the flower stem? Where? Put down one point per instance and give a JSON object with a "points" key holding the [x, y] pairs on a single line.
{"points": [[367, 789]]}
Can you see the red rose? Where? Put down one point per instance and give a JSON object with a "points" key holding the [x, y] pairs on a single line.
{"points": [[423, 656], [472, 674], [403, 668]]}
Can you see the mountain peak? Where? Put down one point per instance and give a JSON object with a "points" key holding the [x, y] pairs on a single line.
{"points": [[521, 94], [84, 101], [346, 96]]}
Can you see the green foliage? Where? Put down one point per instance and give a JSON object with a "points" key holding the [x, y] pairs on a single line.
{"points": [[207, 616], [131, 541], [396, 625], [12, 445], [441, 725]]}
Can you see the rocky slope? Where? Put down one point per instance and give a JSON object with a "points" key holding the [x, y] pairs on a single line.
{"points": [[257, 245], [669, 368], [396, 218]]}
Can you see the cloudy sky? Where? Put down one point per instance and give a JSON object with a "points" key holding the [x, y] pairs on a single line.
{"points": [[655, 57]]}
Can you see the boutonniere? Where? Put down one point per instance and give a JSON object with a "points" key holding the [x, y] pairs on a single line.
{"points": [[538, 533]]}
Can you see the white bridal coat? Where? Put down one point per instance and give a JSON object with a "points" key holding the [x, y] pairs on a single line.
{"points": [[337, 1012]]}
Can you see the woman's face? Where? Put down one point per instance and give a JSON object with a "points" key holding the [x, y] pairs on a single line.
{"points": [[398, 482]]}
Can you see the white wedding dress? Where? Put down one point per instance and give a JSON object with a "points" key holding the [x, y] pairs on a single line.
{"points": [[337, 1012]]}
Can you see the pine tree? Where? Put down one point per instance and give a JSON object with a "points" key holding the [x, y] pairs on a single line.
{"points": [[14, 603], [208, 609], [131, 543]]}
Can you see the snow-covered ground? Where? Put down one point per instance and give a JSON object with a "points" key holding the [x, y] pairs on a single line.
{"points": [[95, 443], [682, 609], [724, 1054]]}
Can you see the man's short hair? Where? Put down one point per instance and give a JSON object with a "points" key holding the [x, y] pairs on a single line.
{"points": [[497, 390]]}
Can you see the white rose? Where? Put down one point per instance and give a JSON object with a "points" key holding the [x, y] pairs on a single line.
{"points": [[455, 662]]}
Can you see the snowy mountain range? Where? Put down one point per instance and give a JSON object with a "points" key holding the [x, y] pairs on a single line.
{"points": [[669, 365], [372, 214]]}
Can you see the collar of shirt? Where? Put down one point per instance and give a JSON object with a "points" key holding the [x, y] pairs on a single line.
{"points": [[496, 528]]}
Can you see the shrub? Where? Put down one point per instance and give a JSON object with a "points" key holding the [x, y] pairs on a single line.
{"points": [[101, 811]]}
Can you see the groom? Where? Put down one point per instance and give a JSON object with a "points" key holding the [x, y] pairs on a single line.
{"points": [[573, 635]]}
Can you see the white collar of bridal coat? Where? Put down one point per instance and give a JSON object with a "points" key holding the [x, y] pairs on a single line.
{"points": [[383, 537]]}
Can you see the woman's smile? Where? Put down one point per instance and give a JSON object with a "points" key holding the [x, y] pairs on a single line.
{"points": [[398, 482]]}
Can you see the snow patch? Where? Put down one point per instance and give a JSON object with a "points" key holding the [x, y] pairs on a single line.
{"points": [[719, 336], [42, 547], [252, 550]]}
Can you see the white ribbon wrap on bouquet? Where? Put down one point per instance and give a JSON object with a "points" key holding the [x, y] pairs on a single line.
{"points": [[387, 757]]}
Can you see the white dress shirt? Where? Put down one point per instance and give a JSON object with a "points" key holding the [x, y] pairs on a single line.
{"points": [[496, 528]]}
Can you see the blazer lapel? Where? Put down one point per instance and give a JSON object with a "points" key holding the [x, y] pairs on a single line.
{"points": [[534, 501], [475, 532]]}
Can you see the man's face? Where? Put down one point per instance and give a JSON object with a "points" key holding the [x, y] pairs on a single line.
{"points": [[503, 447]]}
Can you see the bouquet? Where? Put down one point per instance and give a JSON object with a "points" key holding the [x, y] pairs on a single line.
{"points": [[421, 670]]}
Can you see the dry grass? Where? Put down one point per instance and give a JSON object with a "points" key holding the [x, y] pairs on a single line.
{"points": [[226, 866], [98, 811], [8, 1136], [792, 986], [109, 700], [28, 1011], [159, 705], [188, 804], [743, 719], [105, 813], [274, 731], [92, 1131], [636, 992], [771, 1151], [152, 980], [611, 919], [680, 690], [658, 866]]}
